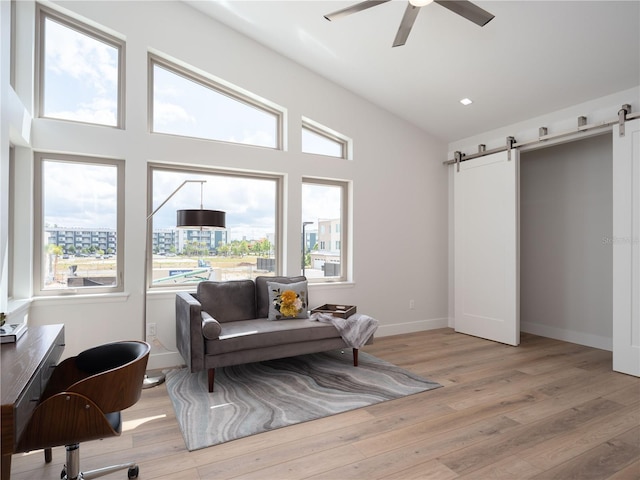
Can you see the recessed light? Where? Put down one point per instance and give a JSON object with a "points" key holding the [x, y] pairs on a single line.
{"points": [[466, 101]]}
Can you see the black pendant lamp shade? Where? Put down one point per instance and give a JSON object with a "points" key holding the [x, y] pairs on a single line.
{"points": [[200, 218]]}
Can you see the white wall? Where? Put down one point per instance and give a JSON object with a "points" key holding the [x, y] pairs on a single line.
{"points": [[399, 185]]}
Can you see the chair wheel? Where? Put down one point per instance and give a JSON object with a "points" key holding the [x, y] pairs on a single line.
{"points": [[63, 473], [133, 472]]}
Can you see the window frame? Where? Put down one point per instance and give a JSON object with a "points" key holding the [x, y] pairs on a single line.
{"points": [[202, 170], [345, 228], [11, 197], [42, 14], [345, 143], [12, 46], [218, 86], [39, 228]]}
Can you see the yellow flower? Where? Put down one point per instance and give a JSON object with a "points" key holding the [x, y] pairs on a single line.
{"points": [[290, 304], [288, 310], [288, 297]]}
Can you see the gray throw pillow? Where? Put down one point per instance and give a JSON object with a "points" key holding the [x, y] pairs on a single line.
{"points": [[287, 300]]}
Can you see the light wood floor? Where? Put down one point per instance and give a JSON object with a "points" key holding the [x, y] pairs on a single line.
{"points": [[544, 410]]}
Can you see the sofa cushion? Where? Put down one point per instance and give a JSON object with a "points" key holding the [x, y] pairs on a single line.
{"points": [[287, 300], [262, 292], [259, 333], [228, 301]]}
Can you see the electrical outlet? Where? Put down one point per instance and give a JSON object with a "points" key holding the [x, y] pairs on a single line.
{"points": [[151, 330], [412, 304]]}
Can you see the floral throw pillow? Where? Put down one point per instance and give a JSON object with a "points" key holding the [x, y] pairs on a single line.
{"points": [[287, 300]]}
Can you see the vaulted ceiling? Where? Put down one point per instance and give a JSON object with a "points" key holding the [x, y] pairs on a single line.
{"points": [[533, 58]]}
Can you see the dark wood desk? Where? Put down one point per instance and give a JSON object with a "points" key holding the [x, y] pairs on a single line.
{"points": [[25, 369]]}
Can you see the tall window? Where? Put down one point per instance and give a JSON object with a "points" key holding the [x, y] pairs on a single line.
{"points": [[247, 248], [191, 105], [79, 224], [80, 71], [324, 211], [320, 140]]}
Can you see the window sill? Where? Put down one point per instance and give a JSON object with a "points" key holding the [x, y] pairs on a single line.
{"points": [[17, 307], [81, 299], [323, 285]]}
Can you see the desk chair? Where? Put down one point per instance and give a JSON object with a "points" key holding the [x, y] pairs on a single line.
{"points": [[82, 402]]}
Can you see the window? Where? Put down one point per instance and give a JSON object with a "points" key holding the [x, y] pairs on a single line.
{"points": [[247, 248], [320, 140], [80, 71], [187, 104], [79, 221], [324, 207]]}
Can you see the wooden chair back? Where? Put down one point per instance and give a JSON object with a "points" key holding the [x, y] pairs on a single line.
{"points": [[84, 394]]}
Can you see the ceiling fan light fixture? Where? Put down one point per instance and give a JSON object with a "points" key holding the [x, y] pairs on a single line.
{"points": [[464, 8], [420, 3]]}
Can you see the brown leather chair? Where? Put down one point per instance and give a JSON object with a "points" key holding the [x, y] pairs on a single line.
{"points": [[83, 400]]}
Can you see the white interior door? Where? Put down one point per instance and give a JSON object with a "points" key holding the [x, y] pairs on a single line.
{"points": [[626, 249], [486, 236]]}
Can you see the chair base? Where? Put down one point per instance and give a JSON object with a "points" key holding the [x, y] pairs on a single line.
{"points": [[71, 470], [154, 381]]}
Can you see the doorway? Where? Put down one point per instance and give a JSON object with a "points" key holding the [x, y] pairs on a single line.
{"points": [[566, 254]]}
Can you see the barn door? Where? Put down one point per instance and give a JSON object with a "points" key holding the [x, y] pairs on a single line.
{"points": [[486, 206], [626, 249]]}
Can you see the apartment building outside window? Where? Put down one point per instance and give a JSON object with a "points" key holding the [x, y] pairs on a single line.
{"points": [[324, 204]]}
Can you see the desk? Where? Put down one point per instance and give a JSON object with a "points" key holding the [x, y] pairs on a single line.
{"points": [[26, 368]]}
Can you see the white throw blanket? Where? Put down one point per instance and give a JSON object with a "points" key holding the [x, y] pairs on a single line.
{"points": [[355, 330]]}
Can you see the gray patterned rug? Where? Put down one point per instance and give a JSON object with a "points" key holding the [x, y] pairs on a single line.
{"points": [[258, 397]]}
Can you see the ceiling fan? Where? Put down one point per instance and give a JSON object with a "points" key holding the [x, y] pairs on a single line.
{"points": [[462, 7]]}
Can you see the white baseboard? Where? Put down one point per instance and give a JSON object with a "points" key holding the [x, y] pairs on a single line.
{"points": [[581, 338], [162, 360], [410, 327]]}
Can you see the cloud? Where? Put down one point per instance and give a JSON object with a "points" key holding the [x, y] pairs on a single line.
{"points": [[185, 107], [81, 76], [79, 195], [320, 202], [167, 115]]}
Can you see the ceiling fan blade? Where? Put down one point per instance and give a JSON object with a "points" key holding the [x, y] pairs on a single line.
{"points": [[358, 7], [406, 24], [468, 10]]}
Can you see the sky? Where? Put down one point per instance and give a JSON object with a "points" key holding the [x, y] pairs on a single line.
{"points": [[81, 84]]}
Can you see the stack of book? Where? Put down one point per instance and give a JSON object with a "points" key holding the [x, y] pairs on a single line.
{"points": [[10, 333]]}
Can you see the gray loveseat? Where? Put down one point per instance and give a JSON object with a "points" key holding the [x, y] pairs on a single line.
{"points": [[225, 323]]}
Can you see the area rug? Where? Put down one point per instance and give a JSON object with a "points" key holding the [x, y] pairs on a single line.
{"points": [[257, 397]]}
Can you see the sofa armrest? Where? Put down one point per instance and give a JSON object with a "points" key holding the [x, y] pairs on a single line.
{"points": [[189, 338], [211, 328]]}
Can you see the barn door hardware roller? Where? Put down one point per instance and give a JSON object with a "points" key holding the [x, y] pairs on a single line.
{"points": [[457, 158], [511, 141], [622, 116]]}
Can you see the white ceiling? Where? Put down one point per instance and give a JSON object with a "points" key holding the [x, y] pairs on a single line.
{"points": [[533, 58]]}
